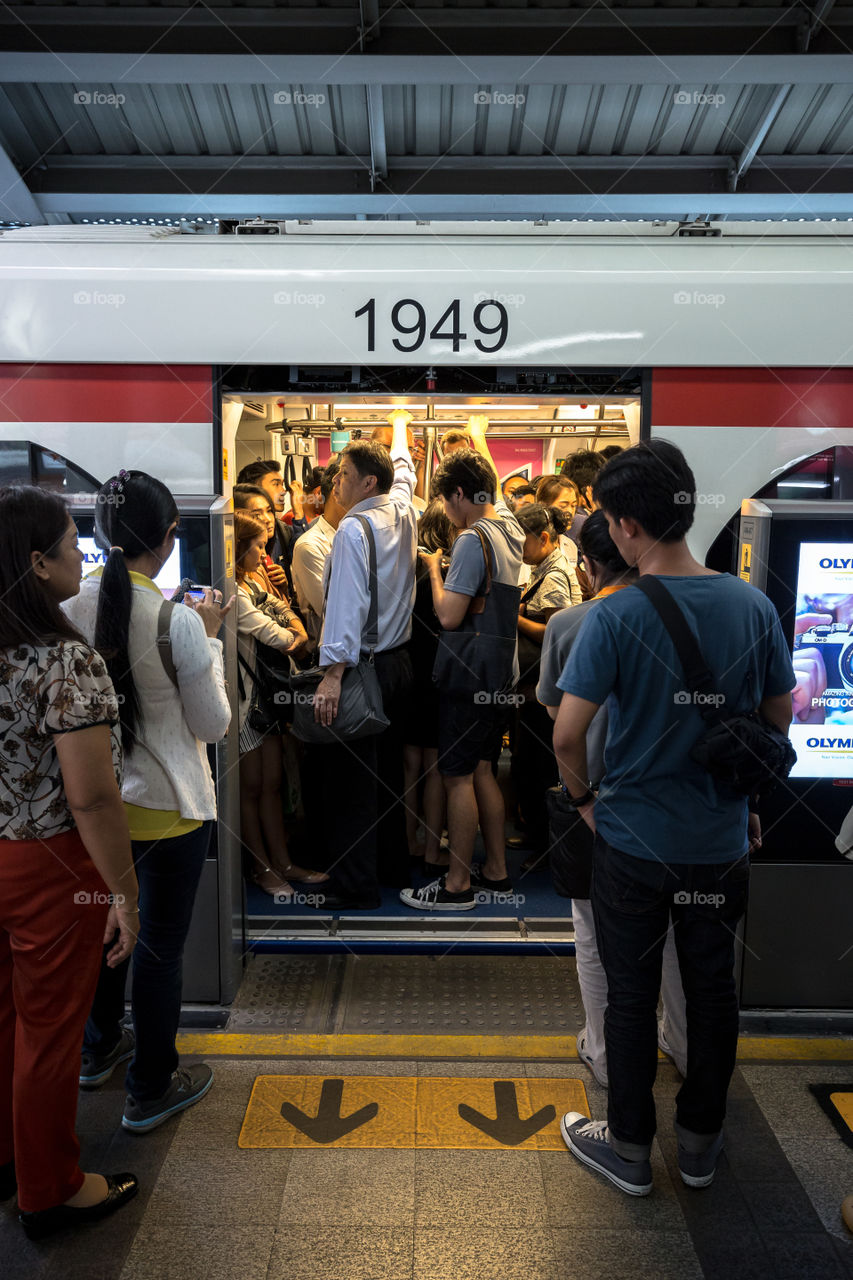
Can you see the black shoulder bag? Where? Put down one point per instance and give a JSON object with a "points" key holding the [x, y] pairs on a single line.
{"points": [[477, 656], [742, 750], [360, 711]]}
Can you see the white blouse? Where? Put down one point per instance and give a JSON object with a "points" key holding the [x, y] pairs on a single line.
{"points": [[168, 767]]}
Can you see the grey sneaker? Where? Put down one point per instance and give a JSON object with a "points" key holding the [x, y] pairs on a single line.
{"points": [[587, 1139], [188, 1086], [434, 897], [601, 1076], [94, 1069], [698, 1168]]}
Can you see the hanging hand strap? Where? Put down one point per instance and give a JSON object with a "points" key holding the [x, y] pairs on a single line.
{"points": [[697, 676]]}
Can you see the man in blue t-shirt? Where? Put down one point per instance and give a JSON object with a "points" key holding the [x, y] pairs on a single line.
{"points": [[670, 841]]}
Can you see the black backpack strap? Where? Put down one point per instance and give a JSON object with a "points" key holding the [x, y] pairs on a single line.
{"points": [[164, 640], [697, 676], [370, 637]]}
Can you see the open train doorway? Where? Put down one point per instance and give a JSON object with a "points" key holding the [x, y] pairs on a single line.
{"points": [[302, 418]]}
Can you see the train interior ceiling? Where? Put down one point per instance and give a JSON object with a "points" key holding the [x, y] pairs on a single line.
{"points": [[522, 428]]}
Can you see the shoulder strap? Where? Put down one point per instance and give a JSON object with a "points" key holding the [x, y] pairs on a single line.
{"points": [[696, 673], [164, 640], [370, 637], [478, 603]]}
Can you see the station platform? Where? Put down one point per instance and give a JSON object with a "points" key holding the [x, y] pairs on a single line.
{"points": [[378, 1117]]}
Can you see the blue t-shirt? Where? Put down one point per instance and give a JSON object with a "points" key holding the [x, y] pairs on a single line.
{"points": [[655, 802]]}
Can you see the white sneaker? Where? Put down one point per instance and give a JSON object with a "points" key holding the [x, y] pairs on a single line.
{"points": [[586, 1059]]}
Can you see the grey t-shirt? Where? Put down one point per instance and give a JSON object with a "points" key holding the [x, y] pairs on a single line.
{"points": [[560, 635], [467, 573]]}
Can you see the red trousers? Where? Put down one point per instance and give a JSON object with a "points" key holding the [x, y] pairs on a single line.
{"points": [[53, 909]]}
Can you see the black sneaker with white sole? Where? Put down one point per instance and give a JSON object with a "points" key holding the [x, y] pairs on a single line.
{"points": [[435, 897], [486, 888], [187, 1086], [95, 1069]]}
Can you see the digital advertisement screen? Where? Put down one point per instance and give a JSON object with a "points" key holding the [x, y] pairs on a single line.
{"points": [[168, 578], [822, 728]]}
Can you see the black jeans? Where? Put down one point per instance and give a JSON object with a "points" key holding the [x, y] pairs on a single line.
{"points": [[534, 768], [363, 819], [632, 901], [168, 872]]}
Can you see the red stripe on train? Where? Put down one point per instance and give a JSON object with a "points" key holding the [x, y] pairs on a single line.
{"points": [[105, 393], [752, 398]]}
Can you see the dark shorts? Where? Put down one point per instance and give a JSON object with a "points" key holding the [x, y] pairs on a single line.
{"points": [[468, 734]]}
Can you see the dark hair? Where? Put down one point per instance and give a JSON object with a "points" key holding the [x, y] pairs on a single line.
{"points": [[31, 520], [246, 530], [548, 489], [315, 479], [454, 436], [469, 471], [525, 490], [133, 513], [594, 541], [652, 484], [328, 479], [436, 531], [582, 467], [242, 493], [610, 451], [254, 472], [371, 459], [536, 518], [515, 476]]}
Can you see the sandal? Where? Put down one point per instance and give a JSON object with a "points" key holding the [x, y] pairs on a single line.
{"points": [[301, 875], [268, 879]]}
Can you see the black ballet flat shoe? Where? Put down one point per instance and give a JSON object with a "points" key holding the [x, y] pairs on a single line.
{"points": [[8, 1181], [121, 1187]]}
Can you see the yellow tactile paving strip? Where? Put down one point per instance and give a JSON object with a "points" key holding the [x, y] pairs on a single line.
{"points": [[405, 1112], [501, 1048], [843, 1103]]}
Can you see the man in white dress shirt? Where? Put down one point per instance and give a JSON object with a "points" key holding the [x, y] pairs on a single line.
{"points": [[311, 552], [364, 822]]}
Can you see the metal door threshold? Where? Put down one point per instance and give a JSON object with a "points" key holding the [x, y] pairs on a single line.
{"points": [[381, 933]]}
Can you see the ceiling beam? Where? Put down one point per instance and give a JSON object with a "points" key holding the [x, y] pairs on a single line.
{"points": [[376, 130], [16, 200], [759, 133], [364, 69], [668, 206]]}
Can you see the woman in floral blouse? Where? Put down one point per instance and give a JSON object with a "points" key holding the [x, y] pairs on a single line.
{"points": [[66, 877]]}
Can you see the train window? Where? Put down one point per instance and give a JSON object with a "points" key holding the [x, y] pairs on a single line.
{"points": [[14, 462], [52, 471], [828, 474]]}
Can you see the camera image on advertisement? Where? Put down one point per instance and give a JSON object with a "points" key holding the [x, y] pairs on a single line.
{"points": [[834, 642]]}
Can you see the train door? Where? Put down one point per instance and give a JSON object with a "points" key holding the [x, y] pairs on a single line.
{"points": [[299, 416]]}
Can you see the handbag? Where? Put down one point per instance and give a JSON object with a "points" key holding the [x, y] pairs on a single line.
{"points": [[475, 661], [742, 750], [360, 710]]}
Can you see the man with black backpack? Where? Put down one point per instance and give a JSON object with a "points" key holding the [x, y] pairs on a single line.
{"points": [[672, 840]]}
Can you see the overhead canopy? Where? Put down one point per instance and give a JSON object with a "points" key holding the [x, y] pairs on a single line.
{"points": [[382, 110]]}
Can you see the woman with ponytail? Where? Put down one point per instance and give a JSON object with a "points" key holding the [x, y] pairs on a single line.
{"points": [[64, 856], [172, 701]]}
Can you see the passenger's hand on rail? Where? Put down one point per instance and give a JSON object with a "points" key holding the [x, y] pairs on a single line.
{"points": [[211, 614], [327, 699], [126, 921], [418, 452]]}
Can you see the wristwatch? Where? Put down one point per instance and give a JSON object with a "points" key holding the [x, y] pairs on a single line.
{"points": [[579, 802]]}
